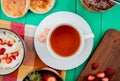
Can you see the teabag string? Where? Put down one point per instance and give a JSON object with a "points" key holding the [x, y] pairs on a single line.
{"points": [[116, 1]]}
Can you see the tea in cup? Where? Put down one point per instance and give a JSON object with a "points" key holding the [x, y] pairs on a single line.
{"points": [[66, 41]]}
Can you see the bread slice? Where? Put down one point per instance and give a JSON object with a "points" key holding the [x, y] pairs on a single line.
{"points": [[41, 6], [15, 8]]}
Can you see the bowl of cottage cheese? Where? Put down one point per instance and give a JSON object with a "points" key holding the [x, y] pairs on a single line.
{"points": [[12, 51]]}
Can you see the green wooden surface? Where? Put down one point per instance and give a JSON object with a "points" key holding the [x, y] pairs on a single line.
{"points": [[99, 22]]}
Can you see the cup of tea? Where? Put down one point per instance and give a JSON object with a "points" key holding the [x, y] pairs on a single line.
{"points": [[66, 40]]}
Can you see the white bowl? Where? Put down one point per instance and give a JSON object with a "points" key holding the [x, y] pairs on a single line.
{"points": [[18, 45]]}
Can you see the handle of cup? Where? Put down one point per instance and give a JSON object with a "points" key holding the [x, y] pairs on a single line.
{"points": [[89, 36]]}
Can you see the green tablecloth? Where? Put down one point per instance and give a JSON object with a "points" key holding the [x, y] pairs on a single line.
{"points": [[98, 21]]}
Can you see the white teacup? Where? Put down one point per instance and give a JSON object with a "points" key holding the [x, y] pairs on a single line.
{"points": [[56, 33]]}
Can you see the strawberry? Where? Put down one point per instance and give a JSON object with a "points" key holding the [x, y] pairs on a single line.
{"points": [[13, 57], [8, 60], [110, 72], [94, 65], [91, 77], [16, 53], [5, 56], [0, 40], [51, 78], [100, 74], [45, 76], [105, 79], [2, 51], [10, 43], [3, 42]]}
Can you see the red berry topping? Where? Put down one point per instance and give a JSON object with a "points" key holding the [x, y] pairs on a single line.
{"points": [[110, 72], [94, 65], [16, 53], [10, 43], [8, 60], [3, 42], [100, 74], [5, 56], [2, 51], [0, 40], [13, 57]]}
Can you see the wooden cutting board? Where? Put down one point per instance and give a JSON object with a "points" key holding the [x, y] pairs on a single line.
{"points": [[107, 55]]}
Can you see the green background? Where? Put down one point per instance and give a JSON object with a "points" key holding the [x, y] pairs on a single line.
{"points": [[99, 22]]}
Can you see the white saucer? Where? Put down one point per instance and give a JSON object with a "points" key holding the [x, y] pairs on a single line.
{"points": [[41, 48]]}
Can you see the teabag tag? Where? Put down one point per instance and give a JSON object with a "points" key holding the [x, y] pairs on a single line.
{"points": [[116, 1]]}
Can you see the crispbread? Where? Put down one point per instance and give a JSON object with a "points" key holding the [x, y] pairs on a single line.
{"points": [[15, 10], [41, 7]]}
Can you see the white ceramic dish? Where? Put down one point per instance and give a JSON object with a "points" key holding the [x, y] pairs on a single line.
{"points": [[7, 68], [41, 48]]}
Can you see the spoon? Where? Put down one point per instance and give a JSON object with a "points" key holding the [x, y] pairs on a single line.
{"points": [[116, 1]]}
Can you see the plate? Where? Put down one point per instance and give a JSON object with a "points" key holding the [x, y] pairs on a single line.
{"points": [[41, 48]]}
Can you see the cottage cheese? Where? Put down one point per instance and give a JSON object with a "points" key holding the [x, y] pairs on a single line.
{"points": [[17, 46]]}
